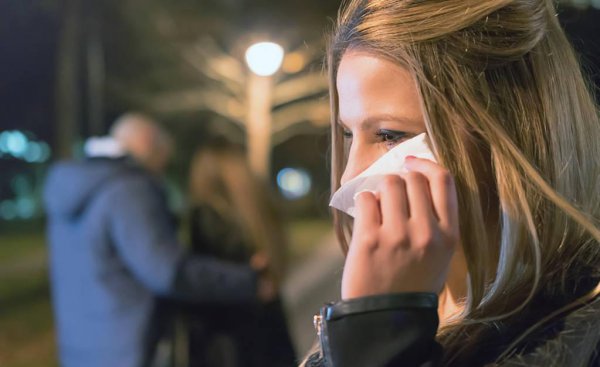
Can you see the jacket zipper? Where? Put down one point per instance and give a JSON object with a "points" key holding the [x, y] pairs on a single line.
{"points": [[318, 324]]}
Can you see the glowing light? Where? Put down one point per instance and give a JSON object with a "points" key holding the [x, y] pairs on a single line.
{"points": [[293, 62], [8, 210], [33, 153], [45, 152], [294, 183], [4, 141], [25, 207], [16, 143], [264, 58]]}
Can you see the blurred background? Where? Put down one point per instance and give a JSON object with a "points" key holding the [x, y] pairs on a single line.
{"points": [[69, 68]]}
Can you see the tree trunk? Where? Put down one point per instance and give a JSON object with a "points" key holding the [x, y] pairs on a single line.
{"points": [[67, 80], [95, 69]]}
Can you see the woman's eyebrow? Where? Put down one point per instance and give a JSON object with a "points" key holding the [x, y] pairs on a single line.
{"points": [[404, 120], [374, 119]]}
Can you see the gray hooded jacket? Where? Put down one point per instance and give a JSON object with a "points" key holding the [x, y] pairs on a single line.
{"points": [[113, 252]]}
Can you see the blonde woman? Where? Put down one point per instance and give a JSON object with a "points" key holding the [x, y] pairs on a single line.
{"points": [[490, 256], [233, 218]]}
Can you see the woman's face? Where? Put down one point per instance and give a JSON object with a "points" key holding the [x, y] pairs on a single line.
{"points": [[378, 108]]}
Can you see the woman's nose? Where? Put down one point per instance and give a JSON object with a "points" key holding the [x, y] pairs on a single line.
{"points": [[358, 160]]}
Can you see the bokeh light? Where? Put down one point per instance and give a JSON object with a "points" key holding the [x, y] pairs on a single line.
{"points": [[16, 144], [4, 141], [293, 62], [264, 58], [25, 207], [8, 210], [294, 183], [45, 154], [33, 153]]}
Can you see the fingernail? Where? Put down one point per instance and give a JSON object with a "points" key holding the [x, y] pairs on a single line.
{"points": [[362, 191], [407, 162]]}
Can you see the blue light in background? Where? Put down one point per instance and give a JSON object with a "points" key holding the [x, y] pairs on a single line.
{"points": [[22, 146], [25, 207], [45, 152], [4, 136], [33, 152], [8, 210], [294, 183], [16, 144]]}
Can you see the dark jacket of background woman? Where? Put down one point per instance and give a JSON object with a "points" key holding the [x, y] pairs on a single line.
{"points": [[232, 219]]}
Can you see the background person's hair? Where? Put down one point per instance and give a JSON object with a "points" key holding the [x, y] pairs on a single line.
{"points": [[221, 178], [130, 123], [143, 137], [505, 102]]}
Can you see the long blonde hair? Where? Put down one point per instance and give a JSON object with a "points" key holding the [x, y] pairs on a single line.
{"points": [[500, 79], [221, 179]]}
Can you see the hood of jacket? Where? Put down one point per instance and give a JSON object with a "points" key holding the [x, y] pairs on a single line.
{"points": [[70, 185]]}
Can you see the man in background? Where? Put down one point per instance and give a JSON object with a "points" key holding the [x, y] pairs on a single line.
{"points": [[114, 251]]}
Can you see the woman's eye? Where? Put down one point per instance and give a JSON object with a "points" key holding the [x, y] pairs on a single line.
{"points": [[347, 134], [390, 137]]}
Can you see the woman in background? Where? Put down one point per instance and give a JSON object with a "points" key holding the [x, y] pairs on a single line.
{"points": [[233, 217], [491, 256]]}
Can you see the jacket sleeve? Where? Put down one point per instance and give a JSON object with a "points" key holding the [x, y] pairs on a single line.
{"points": [[377, 331], [143, 234]]}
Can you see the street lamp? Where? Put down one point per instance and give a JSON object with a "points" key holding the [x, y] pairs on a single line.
{"points": [[263, 60]]}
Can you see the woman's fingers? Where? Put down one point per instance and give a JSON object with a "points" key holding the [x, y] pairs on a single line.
{"points": [[394, 203], [442, 188], [419, 198], [367, 218], [398, 243]]}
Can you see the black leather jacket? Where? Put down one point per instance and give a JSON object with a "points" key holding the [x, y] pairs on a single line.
{"points": [[399, 330], [381, 330]]}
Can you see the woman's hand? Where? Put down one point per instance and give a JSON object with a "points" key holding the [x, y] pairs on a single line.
{"points": [[403, 237]]}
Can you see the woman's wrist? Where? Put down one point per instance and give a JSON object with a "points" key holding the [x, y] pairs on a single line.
{"points": [[393, 327], [381, 302]]}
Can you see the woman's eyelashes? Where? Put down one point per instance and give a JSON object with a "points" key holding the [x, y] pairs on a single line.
{"points": [[390, 137], [385, 136]]}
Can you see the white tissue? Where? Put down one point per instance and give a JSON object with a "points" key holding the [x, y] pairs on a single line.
{"points": [[391, 162]]}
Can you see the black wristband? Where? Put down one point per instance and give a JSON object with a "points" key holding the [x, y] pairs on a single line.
{"points": [[379, 303]]}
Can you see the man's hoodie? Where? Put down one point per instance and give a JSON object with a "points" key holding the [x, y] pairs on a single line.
{"points": [[113, 251]]}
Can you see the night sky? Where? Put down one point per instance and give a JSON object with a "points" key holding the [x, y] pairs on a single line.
{"points": [[28, 33]]}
